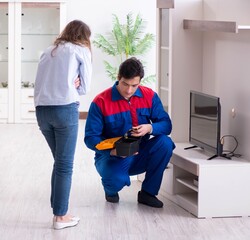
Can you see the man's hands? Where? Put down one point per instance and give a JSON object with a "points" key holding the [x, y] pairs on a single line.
{"points": [[141, 130], [137, 131], [113, 152]]}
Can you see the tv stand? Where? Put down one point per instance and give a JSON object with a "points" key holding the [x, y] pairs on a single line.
{"points": [[207, 188], [222, 155], [186, 148], [220, 150]]}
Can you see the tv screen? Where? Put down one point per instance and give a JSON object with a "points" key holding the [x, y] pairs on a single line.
{"points": [[205, 120]]}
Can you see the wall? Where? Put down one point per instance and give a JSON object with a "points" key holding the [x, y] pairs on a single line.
{"points": [[226, 69], [98, 15], [215, 63], [187, 65]]}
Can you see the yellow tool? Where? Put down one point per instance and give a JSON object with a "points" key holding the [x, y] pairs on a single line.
{"points": [[107, 143]]}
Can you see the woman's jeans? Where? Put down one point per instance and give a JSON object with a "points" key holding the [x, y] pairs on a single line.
{"points": [[59, 125]]}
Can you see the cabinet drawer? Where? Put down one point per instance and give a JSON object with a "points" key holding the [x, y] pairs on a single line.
{"points": [[28, 111], [27, 96], [3, 96], [3, 110]]}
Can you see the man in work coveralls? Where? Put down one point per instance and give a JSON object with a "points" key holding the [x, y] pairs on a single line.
{"points": [[129, 106]]}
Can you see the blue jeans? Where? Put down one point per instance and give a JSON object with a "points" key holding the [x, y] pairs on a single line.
{"points": [[59, 125]]}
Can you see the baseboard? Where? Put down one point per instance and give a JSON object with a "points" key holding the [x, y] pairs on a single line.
{"points": [[83, 115]]}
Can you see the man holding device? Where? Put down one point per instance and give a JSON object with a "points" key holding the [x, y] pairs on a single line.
{"points": [[123, 107]]}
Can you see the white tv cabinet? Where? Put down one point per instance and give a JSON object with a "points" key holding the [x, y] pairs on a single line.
{"points": [[222, 189]]}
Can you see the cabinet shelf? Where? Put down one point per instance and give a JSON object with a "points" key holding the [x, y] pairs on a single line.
{"points": [[244, 27], [164, 89], [204, 25], [188, 182], [39, 34], [42, 5], [188, 199], [30, 61], [216, 26], [164, 48]]}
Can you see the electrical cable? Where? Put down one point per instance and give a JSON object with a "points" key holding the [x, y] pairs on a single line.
{"points": [[228, 153]]}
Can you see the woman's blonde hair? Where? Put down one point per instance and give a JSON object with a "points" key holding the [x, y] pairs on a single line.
{"points": [[76, 32]]}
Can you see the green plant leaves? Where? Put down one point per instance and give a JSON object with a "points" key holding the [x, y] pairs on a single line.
{"points": [[105, 45], [124, 41], [111, 71]]}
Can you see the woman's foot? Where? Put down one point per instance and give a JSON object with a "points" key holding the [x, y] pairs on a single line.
{"points": [[60, 222]]}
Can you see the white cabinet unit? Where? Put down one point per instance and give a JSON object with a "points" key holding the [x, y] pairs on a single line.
{"points": [[26, 29], [3, 105], [207, 188], [164, 52], [4, 38], [27, 110]]}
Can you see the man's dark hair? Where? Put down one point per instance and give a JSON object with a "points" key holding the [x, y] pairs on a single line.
{"points": [[131, 68]]}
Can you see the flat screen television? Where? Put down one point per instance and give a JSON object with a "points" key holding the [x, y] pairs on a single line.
{"points": [[205, 123]]}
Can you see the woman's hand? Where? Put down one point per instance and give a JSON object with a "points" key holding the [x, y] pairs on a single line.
{"points": [[77, 82]]}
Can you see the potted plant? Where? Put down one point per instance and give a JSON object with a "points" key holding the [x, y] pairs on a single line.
{"points": [[124, 41], [4, 84], [26, 84]]}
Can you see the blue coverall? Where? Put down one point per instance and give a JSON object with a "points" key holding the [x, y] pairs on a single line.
{"points": [[110, 115]]}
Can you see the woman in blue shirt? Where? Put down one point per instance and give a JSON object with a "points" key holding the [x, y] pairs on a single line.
{"points": [[64, 73]]}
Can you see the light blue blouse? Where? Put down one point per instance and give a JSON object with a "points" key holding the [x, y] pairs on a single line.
{"points": [[54, 84]]}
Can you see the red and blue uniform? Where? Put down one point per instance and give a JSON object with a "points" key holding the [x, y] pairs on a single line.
{"points": [[111, 115]]}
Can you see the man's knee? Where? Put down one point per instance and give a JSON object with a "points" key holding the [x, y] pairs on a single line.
{"points": [[165, 142], [115, 183]]}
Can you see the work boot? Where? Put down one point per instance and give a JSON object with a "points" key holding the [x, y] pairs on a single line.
{"points": [[149, 200]]}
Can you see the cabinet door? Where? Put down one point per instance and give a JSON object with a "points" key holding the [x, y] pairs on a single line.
{"points": [[164, 56], [4, 61], [36, 27], [4, 45], [40, 25]]}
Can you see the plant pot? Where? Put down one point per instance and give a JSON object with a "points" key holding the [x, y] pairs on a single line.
{"points": [[25, 84], [4, 84]]}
